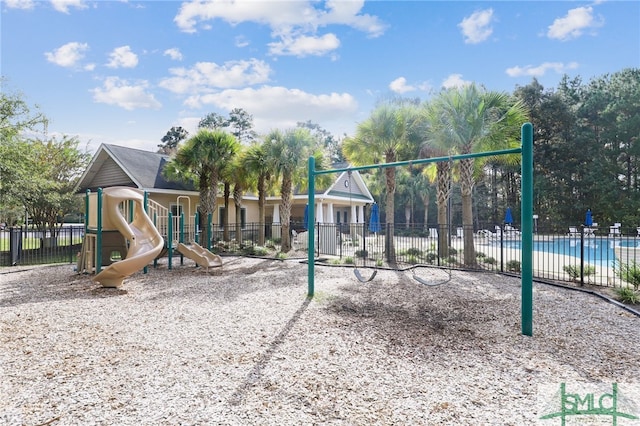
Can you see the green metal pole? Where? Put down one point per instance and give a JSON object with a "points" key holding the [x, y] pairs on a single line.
{"points": [[527, 229], [311, 220], [99, 234], [196, 225]]}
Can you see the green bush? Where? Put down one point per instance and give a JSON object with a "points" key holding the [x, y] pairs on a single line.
{"points": [[513, 266], [413, 260], [361, 253], [452, 251], [627, 295], [414, 252], [348, 260], [490, 260], [629, 272], [431, 257], [480, 255], [574, 271]]}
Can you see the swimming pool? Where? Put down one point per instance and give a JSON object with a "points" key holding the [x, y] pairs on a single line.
{"points": [[597, 250]]}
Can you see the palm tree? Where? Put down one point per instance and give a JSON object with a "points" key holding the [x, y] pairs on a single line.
{"points": [[256, 164], [202, 159], [287, 156], [470, 119], [383, 137]]}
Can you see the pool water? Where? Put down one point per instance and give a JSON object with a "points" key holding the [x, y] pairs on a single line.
{"points": [[596, 250]]}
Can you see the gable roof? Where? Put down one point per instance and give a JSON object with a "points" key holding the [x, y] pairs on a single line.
{"points": [[114, 165]]}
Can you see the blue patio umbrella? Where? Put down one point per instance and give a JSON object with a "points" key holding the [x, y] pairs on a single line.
{"points": [[374, 220], [306, 217], [588, 220], [508, 218]]}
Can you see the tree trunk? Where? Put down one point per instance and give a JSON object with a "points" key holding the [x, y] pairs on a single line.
{"points": [[466, 188], [390, 174], [261, 215], [225, 216], [444, 192], [285, 213], [237, 200]]}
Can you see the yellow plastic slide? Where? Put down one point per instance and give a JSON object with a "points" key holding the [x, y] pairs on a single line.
{"points": [[200, 255], [145, 242]]}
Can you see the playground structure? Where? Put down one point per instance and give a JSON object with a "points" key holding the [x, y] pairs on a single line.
{"points": [[125, 232], [526, 151]]}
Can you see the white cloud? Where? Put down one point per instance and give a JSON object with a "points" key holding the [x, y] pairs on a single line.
{"points": [[119, 92], [294, 24], [207, 76], [574, 24], [305, 45], [454, 80], [540, 70], [19, 4], [174, 53], [122, 57], [67, 55], [399, 85], [64, 5], [281, 107], [477, 27], [241, 41]]}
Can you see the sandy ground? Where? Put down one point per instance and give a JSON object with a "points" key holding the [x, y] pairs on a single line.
{"points": [[243, 345]]}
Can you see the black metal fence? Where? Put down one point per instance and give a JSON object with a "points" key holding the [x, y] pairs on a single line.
{"points": [[581, 255], [27, 246]]}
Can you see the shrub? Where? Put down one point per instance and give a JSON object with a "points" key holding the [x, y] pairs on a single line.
{"points": [[490, 260], [379, 262], [480, 255], [412, 260], [414, 252], [431, 257], [452, 251], [627, 295], [280, 255], [629, 272], [513, 266], [574, 271], [348, 260], [361, 253]]}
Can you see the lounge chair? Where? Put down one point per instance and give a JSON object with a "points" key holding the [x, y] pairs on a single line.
{"points": [[614, 231], [573, 231], [510, 231], [433, 233]]}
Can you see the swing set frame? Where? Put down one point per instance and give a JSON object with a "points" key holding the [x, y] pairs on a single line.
{"points": [[526, 151]]}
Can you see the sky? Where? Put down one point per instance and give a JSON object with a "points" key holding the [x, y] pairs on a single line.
{"points": [[125, 72]]}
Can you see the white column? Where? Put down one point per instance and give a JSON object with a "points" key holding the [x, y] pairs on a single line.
{"points": [[354, 214], [319, 216], [361, 214], [330, 213], [276, 230], [276, 213]]}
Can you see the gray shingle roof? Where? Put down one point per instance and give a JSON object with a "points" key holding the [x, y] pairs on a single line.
{"points": [[145, 167]]}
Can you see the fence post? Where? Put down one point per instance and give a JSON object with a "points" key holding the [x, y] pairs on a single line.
{"points": [[582, 257], [15, 244]]}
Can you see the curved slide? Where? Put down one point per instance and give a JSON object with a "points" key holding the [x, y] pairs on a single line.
{"points": [[200, 255], [145, 242]]}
